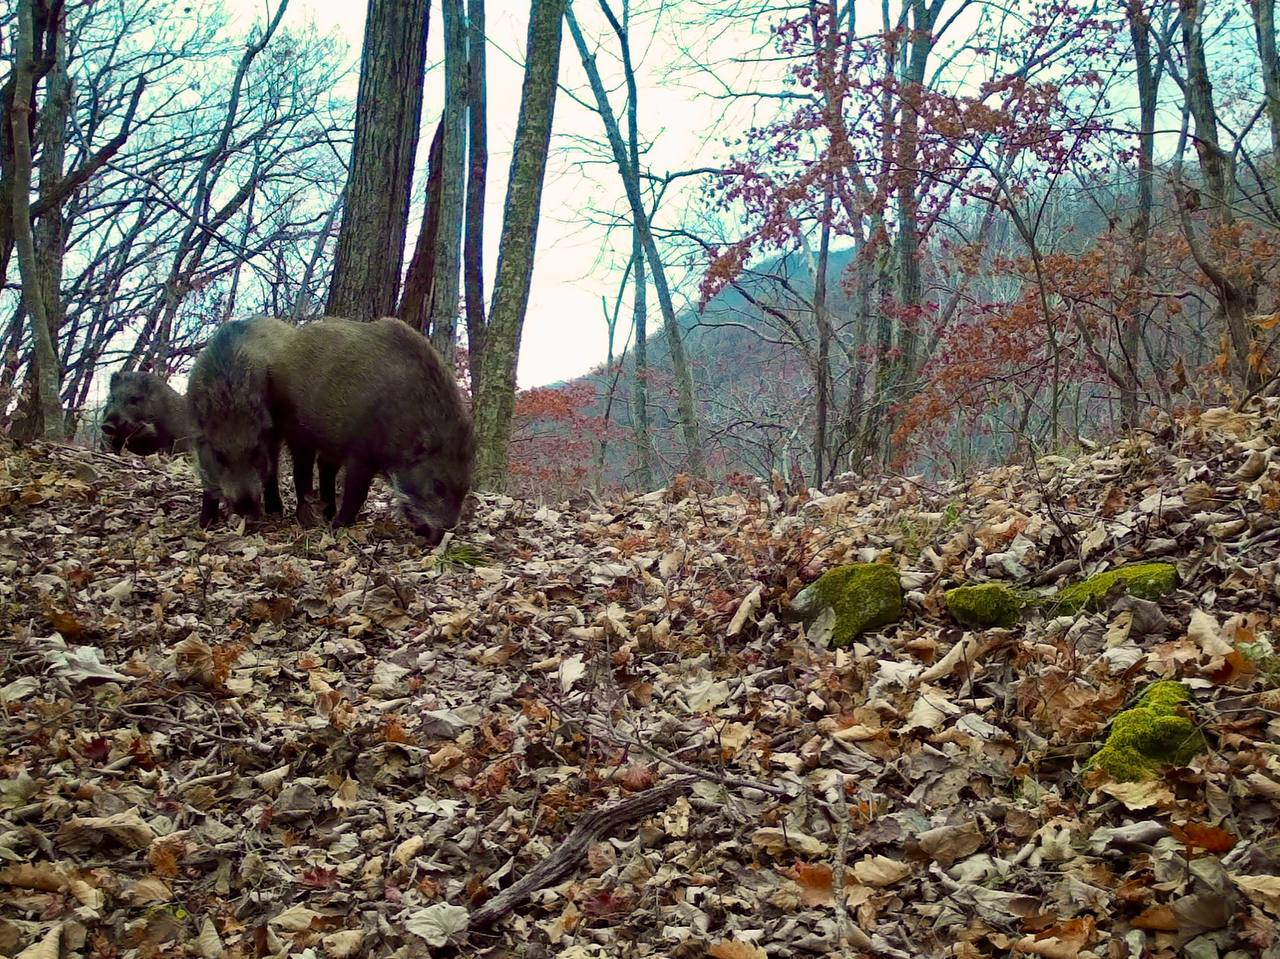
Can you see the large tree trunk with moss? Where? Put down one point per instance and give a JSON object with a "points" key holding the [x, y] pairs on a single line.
{"points": [[495, 404], [375, 216], [630, 175], [35, 280]]}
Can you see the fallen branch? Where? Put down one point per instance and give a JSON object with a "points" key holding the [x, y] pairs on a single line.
{"points": [[563, 861]]}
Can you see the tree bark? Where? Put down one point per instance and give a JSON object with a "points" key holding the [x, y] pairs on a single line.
{"points": [[640, 370], [645, 457], [477, 173], [495, 405], [415, 300], [685, 404], [823, 321], [375, 216], [909, 286], [1234, 290], [453, 158], [1264, 25], [33, 278], [1130, 328]]}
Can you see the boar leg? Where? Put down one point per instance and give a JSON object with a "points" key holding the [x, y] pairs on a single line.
{"points": [[304, 461], [208, 509], [271, 502], [355, 490], [329, 488]]}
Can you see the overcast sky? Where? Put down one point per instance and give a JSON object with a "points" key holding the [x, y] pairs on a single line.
{"points": [[577, 264]]}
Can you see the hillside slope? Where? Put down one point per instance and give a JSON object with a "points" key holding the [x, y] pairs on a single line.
{"points": [[273, 742]]}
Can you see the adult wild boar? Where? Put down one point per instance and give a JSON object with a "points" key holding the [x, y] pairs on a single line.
{"points": [[145, 415], [375, 398], [238, 440]]}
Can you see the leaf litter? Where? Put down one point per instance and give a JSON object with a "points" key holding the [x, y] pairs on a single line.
{"points": [[593, 730]]}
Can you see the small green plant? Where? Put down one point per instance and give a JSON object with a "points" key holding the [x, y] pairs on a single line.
{"points": [[460, 556], [1262, 654]]}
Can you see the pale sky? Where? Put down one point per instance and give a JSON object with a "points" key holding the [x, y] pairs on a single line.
{"points": [[577, 263]]}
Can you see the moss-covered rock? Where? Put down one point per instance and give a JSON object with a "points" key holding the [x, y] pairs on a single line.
{"points": [[863, 596], [1151, 735], [1144, 580], [984, 605]]}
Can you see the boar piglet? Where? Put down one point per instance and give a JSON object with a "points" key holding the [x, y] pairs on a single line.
{"points": [[238, 443], [145, 415], [375, 398]]}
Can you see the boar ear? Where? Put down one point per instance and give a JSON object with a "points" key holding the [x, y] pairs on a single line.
{"points": [[115, 379]]}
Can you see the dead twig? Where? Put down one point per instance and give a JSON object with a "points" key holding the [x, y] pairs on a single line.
{"points": [[567, 855]]}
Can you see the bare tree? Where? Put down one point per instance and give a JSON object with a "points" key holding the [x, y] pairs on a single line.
{"points": [[631, 184]]}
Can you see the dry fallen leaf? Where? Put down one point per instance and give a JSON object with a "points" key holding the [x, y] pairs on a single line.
{"points": [[728, 949], [880, 871]]}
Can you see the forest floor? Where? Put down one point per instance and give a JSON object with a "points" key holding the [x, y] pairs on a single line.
{"points": [[277, 742]]}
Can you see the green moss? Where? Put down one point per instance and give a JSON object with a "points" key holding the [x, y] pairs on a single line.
{"points": [[984, 605], [1144, 580], [863, 596], [1151, 735]]}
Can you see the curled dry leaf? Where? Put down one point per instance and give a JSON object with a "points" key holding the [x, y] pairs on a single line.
{"points": [[777, 842], [194, 662]]}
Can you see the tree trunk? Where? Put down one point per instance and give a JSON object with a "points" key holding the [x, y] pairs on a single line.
{"points": [[302, 303], [495, 405], [1234, 291], [453, 157], [909, 283], [11, 360], [375, 216], [51, 230], [33, 278], [477, 172], [640, 370], [415, 301], [1130, 328], [1264, 25], [645, 457], [823, 322], [631, 182]]}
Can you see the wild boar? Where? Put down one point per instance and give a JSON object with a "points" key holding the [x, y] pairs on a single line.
{"points": [[238, 442], [145, 415], [375, 398]]}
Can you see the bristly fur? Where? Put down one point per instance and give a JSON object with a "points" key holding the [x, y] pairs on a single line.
{"points": [[238, 442], [376, 398], [145, 415]]}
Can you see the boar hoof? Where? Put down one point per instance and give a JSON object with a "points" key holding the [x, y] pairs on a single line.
{"points": [[307, 513]]}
